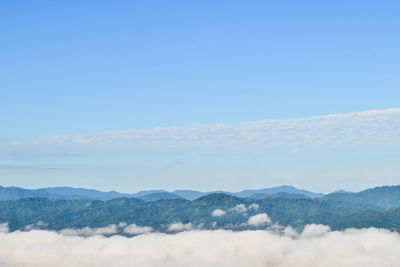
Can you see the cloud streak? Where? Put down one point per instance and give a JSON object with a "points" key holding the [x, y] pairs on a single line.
{"points": [[376, 126], [317, 247], [110, 229]]}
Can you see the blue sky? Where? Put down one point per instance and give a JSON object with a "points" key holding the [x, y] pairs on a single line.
{"points": [[70, 68]]}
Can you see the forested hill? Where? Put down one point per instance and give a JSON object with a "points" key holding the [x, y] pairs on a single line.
{"points": [[378, 207]]}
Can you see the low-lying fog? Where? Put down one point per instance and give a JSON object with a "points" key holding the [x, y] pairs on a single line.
{"points": [[315, 246]]}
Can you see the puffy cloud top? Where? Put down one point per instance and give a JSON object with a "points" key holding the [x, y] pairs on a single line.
{"points": [[259, 219], [315, 230], [240, 208], [178, 226], [350, 248], [218, 213], [253, 206], [134, 229]]}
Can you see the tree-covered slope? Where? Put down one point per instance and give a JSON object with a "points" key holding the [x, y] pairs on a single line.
{"points": [[233, 212], [385, 197]]}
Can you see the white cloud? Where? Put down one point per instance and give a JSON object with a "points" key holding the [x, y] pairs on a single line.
{"points": [[38, 225], [290, 232], [315, 230], [218, 213], [375, 126], [240, 208], [178, 226], [253, 206], [4, 228], [350, 248], [134, 229], [108, 230], [87, 231], [259, 219]]}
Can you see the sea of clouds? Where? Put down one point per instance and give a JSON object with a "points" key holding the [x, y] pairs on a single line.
{"points": [[316, 245]]}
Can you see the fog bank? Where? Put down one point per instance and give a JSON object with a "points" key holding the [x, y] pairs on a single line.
{"points": [[316, 246]]}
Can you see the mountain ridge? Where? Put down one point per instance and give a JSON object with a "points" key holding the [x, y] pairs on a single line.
{"points": [[381, 208], [387, 195], [64, 192]]}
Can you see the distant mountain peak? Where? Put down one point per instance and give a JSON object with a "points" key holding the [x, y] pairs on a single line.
{"points": [[159, 196], [279, 189]]}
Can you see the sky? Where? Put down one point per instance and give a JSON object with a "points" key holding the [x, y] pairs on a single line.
{"points": [[205, 95]]}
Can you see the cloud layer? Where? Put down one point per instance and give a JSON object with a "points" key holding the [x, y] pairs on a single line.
{"points": [[110, 229], [316, 246], [376, 126]]}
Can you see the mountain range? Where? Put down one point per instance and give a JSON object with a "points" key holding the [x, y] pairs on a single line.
{"points": [[60, 208], [14, 193]]}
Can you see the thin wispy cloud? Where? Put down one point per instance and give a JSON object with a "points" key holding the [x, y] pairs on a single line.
{"points": [[110, 229], [375, 126]]}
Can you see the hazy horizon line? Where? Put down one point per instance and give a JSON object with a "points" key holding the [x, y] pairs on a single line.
{"points": [[201, 191]]}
